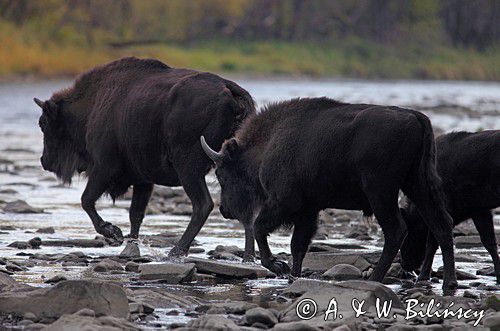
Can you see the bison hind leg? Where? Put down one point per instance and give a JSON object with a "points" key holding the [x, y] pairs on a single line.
{"points": [[384, 203], [306, 224]]}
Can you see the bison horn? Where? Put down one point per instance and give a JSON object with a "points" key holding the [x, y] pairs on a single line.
{"points": [[213, 155], [38, 102]]}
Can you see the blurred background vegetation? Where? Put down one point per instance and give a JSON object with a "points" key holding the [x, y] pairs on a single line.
{"points": [[422, 39]]}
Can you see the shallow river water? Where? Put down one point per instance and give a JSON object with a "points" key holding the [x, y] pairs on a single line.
{"points": [[451, 106]]}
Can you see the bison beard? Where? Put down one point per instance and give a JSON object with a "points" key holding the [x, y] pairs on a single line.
{"points": [[298, 157], [471, 183], [136, 122]]}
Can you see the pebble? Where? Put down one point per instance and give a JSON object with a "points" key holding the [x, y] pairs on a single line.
{"points": [[260, 315]]}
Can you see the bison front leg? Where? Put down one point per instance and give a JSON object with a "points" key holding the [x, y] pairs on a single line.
{"points": [[93, 191], [267, 222], [140, 199], [249, 255]]}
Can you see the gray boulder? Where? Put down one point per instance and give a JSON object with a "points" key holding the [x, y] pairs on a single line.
{"points": [[21, 207], [344, 292], [231, 270], [260, 315], [107, 265], [67, 297], [213, 322], [131, 250], [342, 272], [172, 273], [89, 323], [322, 261]]}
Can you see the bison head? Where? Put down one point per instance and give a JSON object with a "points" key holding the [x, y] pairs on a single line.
{"points": [[60, 154], [238, 196], [413, 248]]}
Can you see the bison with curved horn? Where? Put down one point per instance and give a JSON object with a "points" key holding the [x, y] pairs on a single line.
{"points": [[298, 157], [137, 122]]}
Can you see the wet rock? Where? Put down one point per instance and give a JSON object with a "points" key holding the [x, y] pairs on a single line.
{"points": [[297, 326], [213, 322], [172, 273], [67, 297], [322, 292], [10, 266], [470, 241], [196, 250], [485, 287], [461, 275], [324, 261], [487, 271], [491, 302], [107, 265], [75, 243], [221, 252], [55, 279], [47, 230], [21, 207], [141, 308], [8, 191], [231, 270], [161, 298], [470, 294], [165, 239], [260, 315], [6, 280], [35, 242], [131, 250], [18, 245], [492, 321], [465, 258], [79, 322], [342, 272], [132, 266], [229, 307]]}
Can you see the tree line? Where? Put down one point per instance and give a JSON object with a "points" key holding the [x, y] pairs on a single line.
{"points": [[469, 23]]}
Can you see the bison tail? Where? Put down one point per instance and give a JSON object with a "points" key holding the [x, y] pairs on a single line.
{"points": [[430, 182], [244, 100]]}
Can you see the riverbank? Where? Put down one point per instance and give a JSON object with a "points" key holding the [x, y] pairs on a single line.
{"points": [[24, 55]]}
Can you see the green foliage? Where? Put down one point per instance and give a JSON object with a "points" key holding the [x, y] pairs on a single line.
{"points": [[351, 38]]}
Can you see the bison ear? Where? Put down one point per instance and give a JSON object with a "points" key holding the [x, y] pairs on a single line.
{"points": [[232, 149]]}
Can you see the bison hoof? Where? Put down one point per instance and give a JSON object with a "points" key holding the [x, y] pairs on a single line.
{"points": [[176, 252], [248, 258], [280, 268], [449, 288], [132, 236], [113, 232]]}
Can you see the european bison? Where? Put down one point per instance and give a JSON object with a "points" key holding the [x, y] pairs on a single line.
{"points": [[469, 166], [137, 122], [298, 157]]}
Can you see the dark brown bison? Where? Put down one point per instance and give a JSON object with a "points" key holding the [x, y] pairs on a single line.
{"points": [[137, 122], [298, 157], [469, 166]]}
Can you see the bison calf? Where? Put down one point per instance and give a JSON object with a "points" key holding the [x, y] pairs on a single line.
{"points": [[136, 122], [298, 157], [469, 166]]}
